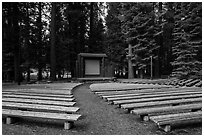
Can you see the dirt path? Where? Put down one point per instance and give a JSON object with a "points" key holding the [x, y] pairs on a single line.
{"points": [[101, 118]]}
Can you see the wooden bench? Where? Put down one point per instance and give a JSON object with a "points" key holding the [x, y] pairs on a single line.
{"points": [[165, 122], [42, 91], [39, 101], [119, 102], [147, 93], [146, 112], [39, 107], [37, 94], [160, 103], [68, 119], [192, 83], [199, 84], [185, 82], [137, 87], [150, 91], [151, 96], [38, 97], [173, 82]]}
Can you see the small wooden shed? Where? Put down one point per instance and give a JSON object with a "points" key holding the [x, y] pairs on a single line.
{"points": [[91, 65]]}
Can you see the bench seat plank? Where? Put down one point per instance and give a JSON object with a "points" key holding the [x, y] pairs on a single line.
{"points": [[149, 91], [135, 87], [39, 107], [38, 97], [42, 91], [157, 103], [199, 84], [160, 118], [192, 83], [147, 111], [45, 115], [37, 94], [150, 96], [118, 102], [39, 101], [166, 121]]}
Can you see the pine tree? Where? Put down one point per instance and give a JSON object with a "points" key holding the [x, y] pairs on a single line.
{"points": [[53, 42], [115, 44], [188, 40], [139, 31]]}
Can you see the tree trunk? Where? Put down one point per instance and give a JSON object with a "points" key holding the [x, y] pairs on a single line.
{"points": [[130, 68], [27, 42], [16, 42], [52, 50], [158, 61], [40, 43], [91, 26]]}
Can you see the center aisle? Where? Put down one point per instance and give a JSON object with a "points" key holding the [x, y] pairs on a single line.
{"points": [[100, 118]]}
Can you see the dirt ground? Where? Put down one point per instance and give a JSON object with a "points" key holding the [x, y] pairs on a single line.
{"points": [[98, 118]]}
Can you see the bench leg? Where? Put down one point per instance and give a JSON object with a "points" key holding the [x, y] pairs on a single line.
{"points": [[166, 128], [144, 117], [68, 125], [9, 120]]}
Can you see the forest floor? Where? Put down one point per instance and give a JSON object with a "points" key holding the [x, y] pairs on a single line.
{"points": [[98, 118]]}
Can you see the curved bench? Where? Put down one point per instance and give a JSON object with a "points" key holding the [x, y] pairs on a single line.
{"points": [[68, 119], [39, 101], [39, 107], [38, 97]]}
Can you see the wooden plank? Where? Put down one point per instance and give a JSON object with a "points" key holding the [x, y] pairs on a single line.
{"points": [[151, 96], [37, 94], [177, 116], [44, 115], [38, 97], [121, 86], [156, 99], [166, 121], [42, 91], [158, 103], [199, 84], [39, 107], [39, 101], [147, 111], [147, 93], [185, 82], [181, 120], [192, 83]]}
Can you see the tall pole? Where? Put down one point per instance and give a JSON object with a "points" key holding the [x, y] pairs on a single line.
{"points": [[151, 68], [130, 69]]}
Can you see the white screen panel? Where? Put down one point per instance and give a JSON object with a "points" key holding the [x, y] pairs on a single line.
{"points": [[92, 67]]}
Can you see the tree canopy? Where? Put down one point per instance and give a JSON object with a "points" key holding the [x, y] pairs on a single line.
{"points": [[48, 36]]}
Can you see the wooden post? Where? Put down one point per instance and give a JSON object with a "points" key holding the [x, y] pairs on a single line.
{"points": [[144, 117], [130, 69], [166, 128], [151, 68], [68, 125], [103, 67], [8, 120]]}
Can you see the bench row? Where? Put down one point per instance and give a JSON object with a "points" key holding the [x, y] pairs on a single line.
{"points": [[68, 119], [175, 82], [148, 102], [39, 103]]}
